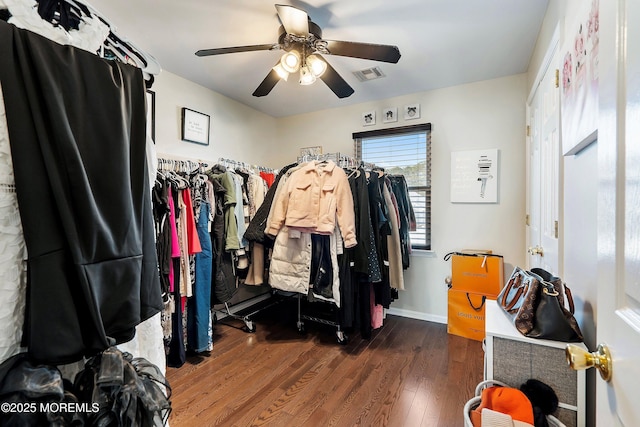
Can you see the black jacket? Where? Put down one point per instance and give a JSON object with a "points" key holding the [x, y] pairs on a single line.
{"points": [[255, 230]]}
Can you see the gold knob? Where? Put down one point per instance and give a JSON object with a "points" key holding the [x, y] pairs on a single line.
{"points": [[579, 358]]}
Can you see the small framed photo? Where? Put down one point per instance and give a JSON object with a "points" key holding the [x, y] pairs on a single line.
{"points": [[411, 111], [369, 118], [389, 115], [311, 151], [195, 126]]}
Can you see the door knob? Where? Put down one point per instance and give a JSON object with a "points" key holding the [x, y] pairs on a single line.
{"points": [[535, 250], [579, 358]]}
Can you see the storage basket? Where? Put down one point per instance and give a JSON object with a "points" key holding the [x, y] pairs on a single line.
{"points": [[475, 401]]}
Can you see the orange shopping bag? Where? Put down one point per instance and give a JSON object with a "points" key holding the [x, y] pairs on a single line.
{"points": [[465, 314], [480, 273]]}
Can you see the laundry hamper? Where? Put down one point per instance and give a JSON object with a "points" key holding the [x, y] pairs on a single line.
{"points": [[475, 401]]}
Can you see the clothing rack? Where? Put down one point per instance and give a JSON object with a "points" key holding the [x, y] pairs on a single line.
{"points": [[189, 165], [237, 164], [340, 335], [342, 160], [226, 312], [180, 165]]}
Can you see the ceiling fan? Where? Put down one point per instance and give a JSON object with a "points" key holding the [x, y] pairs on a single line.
{"points": [[302, 41]]}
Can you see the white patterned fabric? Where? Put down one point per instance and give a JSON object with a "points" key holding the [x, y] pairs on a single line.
{"points": [[13, 253], [89, 36]]}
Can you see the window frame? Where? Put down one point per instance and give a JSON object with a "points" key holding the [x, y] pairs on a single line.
{"points": [[388, 132]]}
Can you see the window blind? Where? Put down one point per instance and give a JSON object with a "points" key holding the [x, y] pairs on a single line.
{"points": [[404, 151]]}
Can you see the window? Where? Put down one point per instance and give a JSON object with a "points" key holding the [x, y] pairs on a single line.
{"points": [[404, 151]]}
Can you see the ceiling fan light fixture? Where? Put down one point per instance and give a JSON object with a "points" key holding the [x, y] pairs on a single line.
{"points": [[306, 76], [317, 65], [282, 73], [290, 61]]}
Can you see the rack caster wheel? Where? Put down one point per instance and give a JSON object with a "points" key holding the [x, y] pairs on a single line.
{"points": [[249, 326], [301, 327], [341, 337]]}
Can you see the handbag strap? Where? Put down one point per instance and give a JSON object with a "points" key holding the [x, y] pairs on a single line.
{"points": [[567, 292], [508, 305], [484, 298]]}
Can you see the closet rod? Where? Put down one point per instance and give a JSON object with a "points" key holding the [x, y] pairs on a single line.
{"points": [[236, 163], [342, 160]]}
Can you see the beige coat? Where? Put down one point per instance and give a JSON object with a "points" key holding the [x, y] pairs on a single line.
{"points": [[312, 199]]}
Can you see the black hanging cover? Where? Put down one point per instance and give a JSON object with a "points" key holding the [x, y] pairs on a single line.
{"points": [[77, 130]]}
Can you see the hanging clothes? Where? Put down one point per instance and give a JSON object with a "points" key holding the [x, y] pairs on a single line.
{"points": [[161, 212], [406, 213], [381, 230], [396, 278], [13, 272], [268, 177], [101, 290], [224, 280], [230, 226], [256, 229], [199, 337]]}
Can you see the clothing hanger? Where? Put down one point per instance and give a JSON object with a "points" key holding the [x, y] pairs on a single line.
{"points": [[64, 18]]}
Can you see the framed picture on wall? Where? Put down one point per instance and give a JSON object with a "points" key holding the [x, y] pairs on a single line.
{"points": [[579, 89], [151, 114], [195, 126], [411, 111], [311, 151], [389, 114], [474, 176], [369, 118]]}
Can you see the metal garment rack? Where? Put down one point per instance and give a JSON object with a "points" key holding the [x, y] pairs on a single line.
{"points": [[178, 164], [340, 335], [249, 325]]}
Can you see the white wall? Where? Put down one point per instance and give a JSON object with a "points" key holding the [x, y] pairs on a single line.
{"points": [[488, 114], [237, 132]]}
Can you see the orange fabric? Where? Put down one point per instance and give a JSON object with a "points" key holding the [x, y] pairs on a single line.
{"points": [[506, 400]]}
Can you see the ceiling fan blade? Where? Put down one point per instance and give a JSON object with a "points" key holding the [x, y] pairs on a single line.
{"points": [[295, 21], [376, 52], [335, 82], [222, 50], [267, 84]]}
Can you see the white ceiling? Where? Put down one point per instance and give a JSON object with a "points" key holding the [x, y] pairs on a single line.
{"points": [[442, 43]]}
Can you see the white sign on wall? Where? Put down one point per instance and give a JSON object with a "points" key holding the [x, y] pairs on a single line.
{"points": [[474, 176]]}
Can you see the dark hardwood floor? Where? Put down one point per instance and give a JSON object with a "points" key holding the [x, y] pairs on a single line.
{"points": [[410, 373]]}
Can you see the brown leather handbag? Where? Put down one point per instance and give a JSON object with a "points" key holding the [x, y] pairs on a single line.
{"points": [[535, 301]]}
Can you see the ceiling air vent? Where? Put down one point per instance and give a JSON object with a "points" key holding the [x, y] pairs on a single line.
{"points": [[369, 74]]}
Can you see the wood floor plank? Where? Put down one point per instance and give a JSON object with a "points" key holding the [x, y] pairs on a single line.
{"points": [[409, 373]]}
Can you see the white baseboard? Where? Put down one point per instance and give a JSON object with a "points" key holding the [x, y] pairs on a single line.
{"points": [[417, 315]]}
